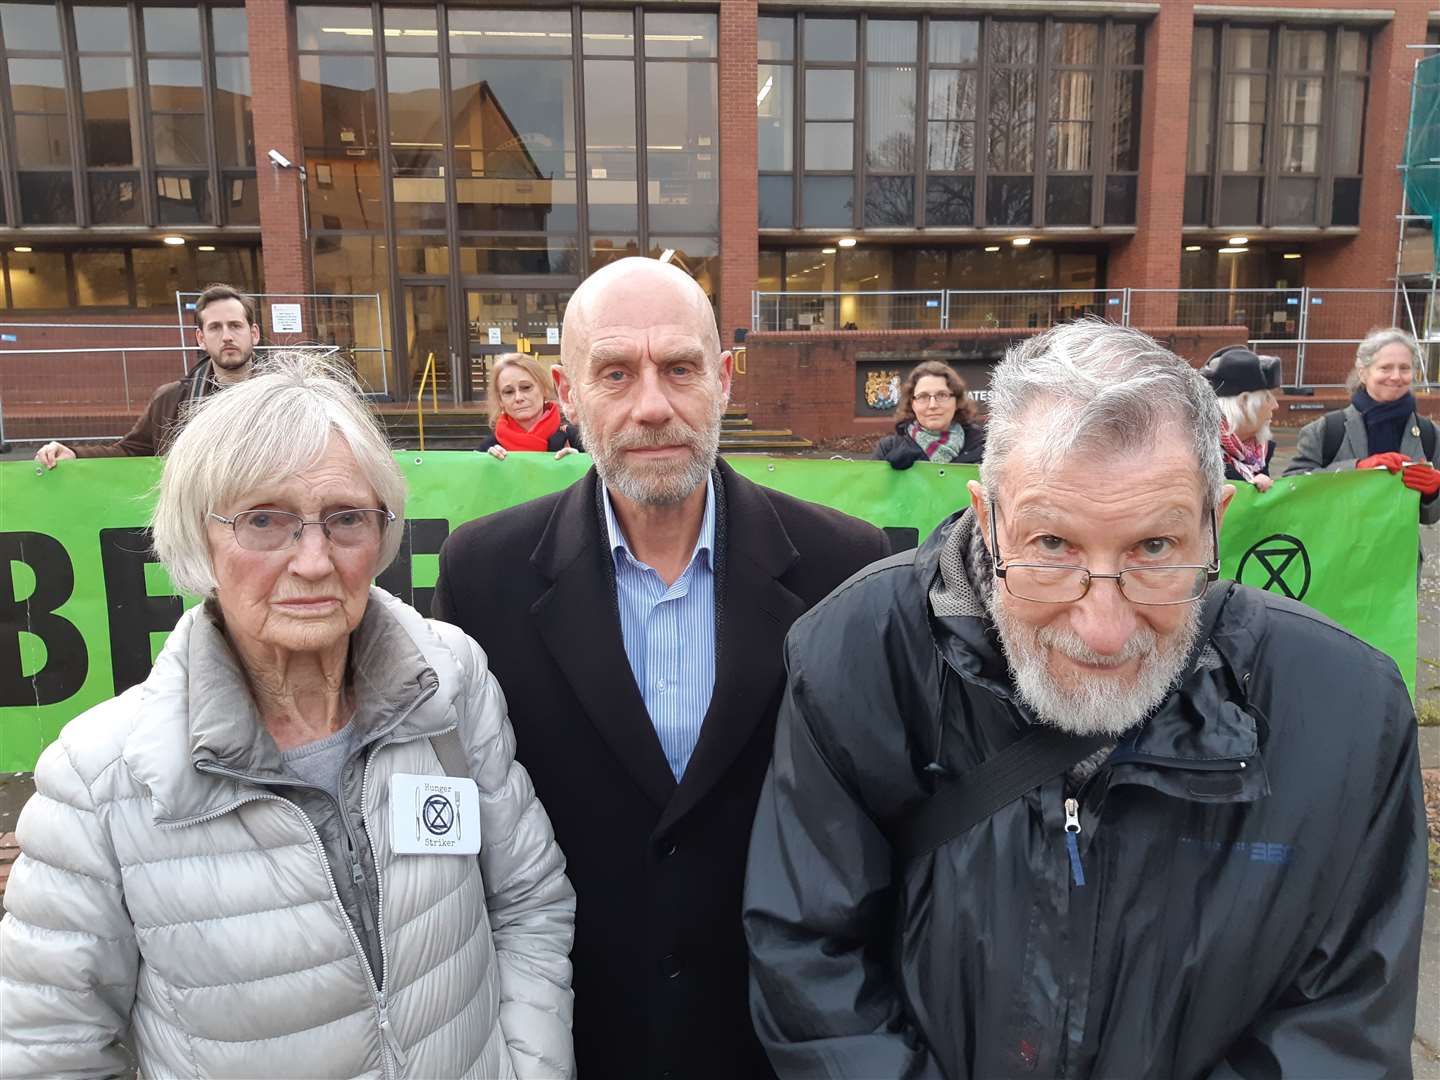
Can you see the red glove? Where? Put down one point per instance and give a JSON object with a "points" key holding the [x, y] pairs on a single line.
{"points": [[1394, 461], [1422, 478]]}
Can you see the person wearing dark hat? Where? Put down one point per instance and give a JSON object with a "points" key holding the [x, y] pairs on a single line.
{"points": [[1245, 384]]}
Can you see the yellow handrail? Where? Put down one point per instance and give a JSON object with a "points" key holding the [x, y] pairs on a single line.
{"points": [[429, 374]]}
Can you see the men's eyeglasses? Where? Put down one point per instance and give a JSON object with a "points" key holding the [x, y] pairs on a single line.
{"points": [[944, 397], [274, 530], [1157, 586]]}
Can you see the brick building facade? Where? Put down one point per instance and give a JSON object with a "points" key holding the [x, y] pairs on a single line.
{"points": [[469, 165]]}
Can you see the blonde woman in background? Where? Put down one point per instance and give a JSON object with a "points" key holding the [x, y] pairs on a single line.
{"points": [[523, 411]]}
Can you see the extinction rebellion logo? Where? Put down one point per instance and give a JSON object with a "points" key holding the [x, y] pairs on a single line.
{"points": [[438, 815], [1279, 564]]}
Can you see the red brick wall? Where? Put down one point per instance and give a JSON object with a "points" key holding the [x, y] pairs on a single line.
{"points": [[806, 381], [1152, 256], [739, 235], [274, 75]]}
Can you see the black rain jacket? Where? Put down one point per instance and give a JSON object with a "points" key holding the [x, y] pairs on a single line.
{"points": [[1254, 860]]}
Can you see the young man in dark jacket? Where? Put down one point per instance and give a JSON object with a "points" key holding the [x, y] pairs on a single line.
{"points": [[227, 331], [635, 621], [1221, 869]]}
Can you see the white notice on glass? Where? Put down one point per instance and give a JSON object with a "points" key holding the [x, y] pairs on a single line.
{"points": [[493, 335], [552, 335], [285, 319]]}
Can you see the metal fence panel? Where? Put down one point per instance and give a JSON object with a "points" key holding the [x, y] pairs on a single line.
{"points": [[1030, 309], [849, 311]]}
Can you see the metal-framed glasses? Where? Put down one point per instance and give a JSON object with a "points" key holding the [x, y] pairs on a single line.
{"points": [[1157, 586], [940, 397], [274, 530]]}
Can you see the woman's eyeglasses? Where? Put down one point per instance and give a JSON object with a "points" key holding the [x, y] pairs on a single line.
{"points": [[274, 530], [944, 397]]}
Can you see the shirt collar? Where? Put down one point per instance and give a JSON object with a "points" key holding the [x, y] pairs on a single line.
{"points": [[704, 543]]}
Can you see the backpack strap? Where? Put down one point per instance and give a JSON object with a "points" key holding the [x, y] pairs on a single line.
{"points": [[1427, 437], [1334, 436], [451, 752]]}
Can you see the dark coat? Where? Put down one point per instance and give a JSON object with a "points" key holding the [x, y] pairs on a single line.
{"points": [[565, 435], [902, 451], [1254, 860], [660, 960]]}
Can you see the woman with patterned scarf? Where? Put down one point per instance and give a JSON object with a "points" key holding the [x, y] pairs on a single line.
{"points": [[1381, 427], [523, 411], [936, 420], [1245, 385]]}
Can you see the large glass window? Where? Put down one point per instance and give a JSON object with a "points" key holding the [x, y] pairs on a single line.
{"points": [[1276, 125], [612, 186], [157, 103], [682, 133], [948, 122], [59, 278]]}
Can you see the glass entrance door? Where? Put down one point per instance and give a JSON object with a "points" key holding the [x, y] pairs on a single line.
{"points": [[427, 336], [503, 321]]}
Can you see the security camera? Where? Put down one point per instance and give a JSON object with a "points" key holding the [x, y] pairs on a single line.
{"points": [[277, 158]]}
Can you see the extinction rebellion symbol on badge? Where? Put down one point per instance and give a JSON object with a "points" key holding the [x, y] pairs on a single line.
{"points": [[1279, 563], [438, 814]]}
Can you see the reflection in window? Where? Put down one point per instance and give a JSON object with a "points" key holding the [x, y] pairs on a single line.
{"points": [[611, 151], [539, 254], [509, 31], [38, 279], [682, 133], [698, 257], [101, 278], [339, 123]]}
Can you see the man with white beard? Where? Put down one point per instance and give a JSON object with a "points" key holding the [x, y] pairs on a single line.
{"points": [[635, 621], [1049, 799]]}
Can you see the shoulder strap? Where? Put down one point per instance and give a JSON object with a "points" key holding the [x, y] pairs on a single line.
{"points": [[1334, 436], [451, 752], [1043, 753], [1427, 437], [996, 782]]}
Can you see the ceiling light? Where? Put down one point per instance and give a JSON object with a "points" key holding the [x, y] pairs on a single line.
{"points": [[206, 247], [993, 247], [1238, 241], [1021, 241], [24, 250], [1233, 250], [1292, 255], [846, 241], [1192, 247], [175, 241], [827, 251]]}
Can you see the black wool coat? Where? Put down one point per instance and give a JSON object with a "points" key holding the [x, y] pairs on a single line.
{"points": [[658, 867]]}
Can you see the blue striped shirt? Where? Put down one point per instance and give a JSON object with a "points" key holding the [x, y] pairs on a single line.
{"points": [[669, 634]]}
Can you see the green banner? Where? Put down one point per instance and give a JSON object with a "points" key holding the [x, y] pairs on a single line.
{"points": [[84, 608]]}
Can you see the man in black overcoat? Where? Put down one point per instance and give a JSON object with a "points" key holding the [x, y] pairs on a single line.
{"points": [[635, 622]]}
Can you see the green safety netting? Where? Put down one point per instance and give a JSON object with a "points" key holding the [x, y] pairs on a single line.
{"points": [[1422, 145]]}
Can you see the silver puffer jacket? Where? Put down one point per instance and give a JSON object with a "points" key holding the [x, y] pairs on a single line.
{"points": [[165, 900]]}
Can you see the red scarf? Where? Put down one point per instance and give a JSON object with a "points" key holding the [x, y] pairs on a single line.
{"points": [[514, 437], [1246, 455]]}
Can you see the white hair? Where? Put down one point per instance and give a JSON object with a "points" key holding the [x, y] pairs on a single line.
{"points": [[1376, 340], [1090, 385], [1243, 411], [274, 425]]}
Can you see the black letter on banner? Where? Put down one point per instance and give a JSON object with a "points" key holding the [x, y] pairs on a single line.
{"points": [[66, 659], [423, 536], [134, 614]]}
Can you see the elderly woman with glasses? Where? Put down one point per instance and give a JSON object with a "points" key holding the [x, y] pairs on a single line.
{"points": [[303, 846], [935, 420]]}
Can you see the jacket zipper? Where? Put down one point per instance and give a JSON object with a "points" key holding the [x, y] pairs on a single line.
{"points": [[1072, 841], [383, 1019]]}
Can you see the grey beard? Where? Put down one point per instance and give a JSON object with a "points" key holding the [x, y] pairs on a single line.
{"points": [[662, 489], [1091, 704]]}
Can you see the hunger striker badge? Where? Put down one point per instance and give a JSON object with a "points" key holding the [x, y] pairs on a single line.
{"points": [[434, 815]]}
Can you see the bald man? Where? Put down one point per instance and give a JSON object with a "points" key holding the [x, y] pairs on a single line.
{"points": [[635, 621]]}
